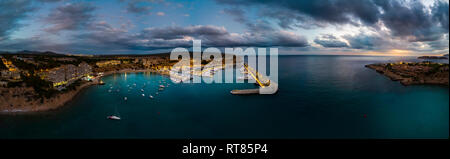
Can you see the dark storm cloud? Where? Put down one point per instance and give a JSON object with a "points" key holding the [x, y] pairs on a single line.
{"points": [[363, 41], [169, 33], [440, 14], [412, 22], [11, 12], [329, 40], [170, 37], [409, 20], [331, 11], [71, 16]]}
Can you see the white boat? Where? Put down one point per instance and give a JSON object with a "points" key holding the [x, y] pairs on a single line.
{"points": [[161, 86], [125, 98], [113, 117], [142, 90], [151, 96], [143, 95]]}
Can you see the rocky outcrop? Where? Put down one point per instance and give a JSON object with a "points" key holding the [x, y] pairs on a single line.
{"points": [[414, 73]]}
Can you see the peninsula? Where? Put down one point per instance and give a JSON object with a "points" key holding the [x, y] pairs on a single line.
{"points": [[409, 73]]}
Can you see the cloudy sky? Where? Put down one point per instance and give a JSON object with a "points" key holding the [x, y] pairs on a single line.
{"points": [[357, 27]]}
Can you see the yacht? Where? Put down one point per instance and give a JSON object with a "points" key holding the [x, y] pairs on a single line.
{"points": [[113, 117]]}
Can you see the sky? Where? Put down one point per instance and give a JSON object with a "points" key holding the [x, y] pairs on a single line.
{"points": [[304, 27]]}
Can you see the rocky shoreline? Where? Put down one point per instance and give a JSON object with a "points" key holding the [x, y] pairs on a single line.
{"points": [[19, 100], [414, 73]]}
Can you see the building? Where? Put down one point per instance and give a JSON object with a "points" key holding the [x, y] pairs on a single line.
{"points": [[108, 63], [66, 74], [11, 72]]}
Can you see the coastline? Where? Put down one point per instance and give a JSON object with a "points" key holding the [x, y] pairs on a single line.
{"points": [[408, 75], [58, 101]]}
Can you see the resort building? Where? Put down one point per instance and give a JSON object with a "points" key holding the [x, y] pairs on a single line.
{"points": [[108, 63], [66, 74]]}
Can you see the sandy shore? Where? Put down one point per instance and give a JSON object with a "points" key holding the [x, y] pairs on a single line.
{"points": [[18, 100]]}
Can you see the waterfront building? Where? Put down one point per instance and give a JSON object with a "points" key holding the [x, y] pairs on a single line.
{"points": [[108, 63], [67, 74]]}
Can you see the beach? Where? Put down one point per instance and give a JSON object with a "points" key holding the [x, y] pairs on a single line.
{"points": [[19, 100]]}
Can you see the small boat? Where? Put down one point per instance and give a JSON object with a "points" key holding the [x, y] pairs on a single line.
{"points": [[161, 86], [125, 98], [101, 83], [109, 91], [156, 93], [142, 90], [143, 95], [113, 117], [151, 96]]}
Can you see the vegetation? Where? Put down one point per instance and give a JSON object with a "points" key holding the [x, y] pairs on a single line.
{"points": [[20, 64], [42, 87], [73, 86]]}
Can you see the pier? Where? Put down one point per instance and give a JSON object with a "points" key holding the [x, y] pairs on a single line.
{"points": [[245, 91], [260, 79]]}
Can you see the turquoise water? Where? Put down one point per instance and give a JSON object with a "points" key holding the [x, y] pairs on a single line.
{"points": [[319, 97]]}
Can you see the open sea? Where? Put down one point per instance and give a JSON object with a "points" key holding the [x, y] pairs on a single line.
{"points": [[319, 97]]}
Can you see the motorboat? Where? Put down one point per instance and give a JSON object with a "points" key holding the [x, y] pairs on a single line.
{"points": [[125, 98], [113, 117], [151, 96]]}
